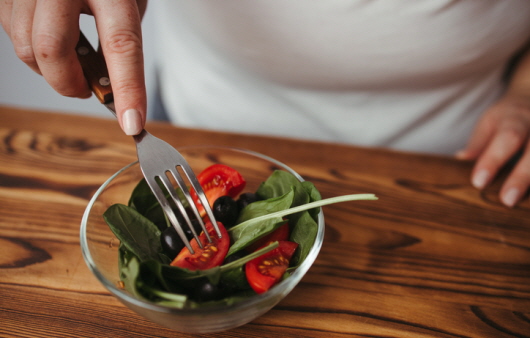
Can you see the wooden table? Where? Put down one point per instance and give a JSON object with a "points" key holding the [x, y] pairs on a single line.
{"points": [[432, 258]]}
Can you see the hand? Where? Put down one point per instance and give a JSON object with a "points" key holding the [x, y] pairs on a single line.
{"points": [[44, 34], [503, 132]]}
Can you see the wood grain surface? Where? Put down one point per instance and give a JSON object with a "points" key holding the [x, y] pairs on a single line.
{"points": [[432, 258]]}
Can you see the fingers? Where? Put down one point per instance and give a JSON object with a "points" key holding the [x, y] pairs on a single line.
{"points": [[6, 9], [508, 139], [44, 34], [54, 46], [17, 20], [119, 29], [503, 132], [518, 182], [21, 32], [480, 138]]}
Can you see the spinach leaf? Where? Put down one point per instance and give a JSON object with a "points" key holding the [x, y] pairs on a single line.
{"points": [[305, 192], [247, 232], [142, 198], [235, 278], [149, 286], [314, 195], [129, 267], [168, 285], [170, 299], [154, 273], [145, 270], [265, 207], [304, 233], [144, 201], [137, 233], [214, 274], [181, 275], [152, 284], [303, 224], [235, 298], [281, 182]]}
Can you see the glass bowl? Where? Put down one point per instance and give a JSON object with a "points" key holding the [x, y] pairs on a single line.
{"points": [[100, 246]]}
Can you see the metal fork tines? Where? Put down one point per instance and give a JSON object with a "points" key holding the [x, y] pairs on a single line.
{"points": [[158, 159]]}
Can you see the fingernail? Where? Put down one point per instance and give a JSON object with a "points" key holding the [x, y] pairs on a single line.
{"points": [[510, 197], [480, 179], [131, 122], [460, 154]]}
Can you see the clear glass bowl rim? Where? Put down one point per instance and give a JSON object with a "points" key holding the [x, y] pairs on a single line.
{"points": [[251, 301]]}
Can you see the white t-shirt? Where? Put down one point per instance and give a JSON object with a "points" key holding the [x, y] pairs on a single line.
{"points": [[410, 75]]}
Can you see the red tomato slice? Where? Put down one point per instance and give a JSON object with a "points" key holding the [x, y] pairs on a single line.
{"points": [[211, 255], [280, 234], [266, 270], [218, 180]]}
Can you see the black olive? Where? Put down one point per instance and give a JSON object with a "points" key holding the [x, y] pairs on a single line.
{"points": [[225, 211], [171, 242], [181, 220], [196, 226], [161, 225], [207, 291], [245, 199]]}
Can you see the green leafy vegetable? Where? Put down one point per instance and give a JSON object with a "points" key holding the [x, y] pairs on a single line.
{"points": [[246, 234], [136, 233], [303, 228], [129, 266], [281, 182], [165, 284], [315, 204], [145, 270], [304, 233], [144, 201]]}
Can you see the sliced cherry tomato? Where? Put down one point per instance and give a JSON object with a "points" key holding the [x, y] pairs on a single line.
{"points": [[218, 180], [266, 270], [211, 255], [280, 234]]}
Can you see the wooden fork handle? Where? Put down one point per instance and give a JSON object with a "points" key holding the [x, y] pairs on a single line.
{"points": [[94, 69]]}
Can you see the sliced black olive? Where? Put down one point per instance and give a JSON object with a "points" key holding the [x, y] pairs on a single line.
{"points": [[171, 242], [245, 199], [225, 211]]}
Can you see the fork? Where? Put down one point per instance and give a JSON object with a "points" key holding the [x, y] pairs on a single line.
{"points": [[159, 161]]}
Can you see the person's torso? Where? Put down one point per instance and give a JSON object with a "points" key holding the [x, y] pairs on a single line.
{"points": [[401, 60]]}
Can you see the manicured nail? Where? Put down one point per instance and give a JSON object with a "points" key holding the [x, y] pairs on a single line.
{"points": [[131, 122], [510, 197], [480, 179], [461, 154]]}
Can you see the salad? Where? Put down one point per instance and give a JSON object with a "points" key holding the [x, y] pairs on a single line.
{"points": [[266, 234]]}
